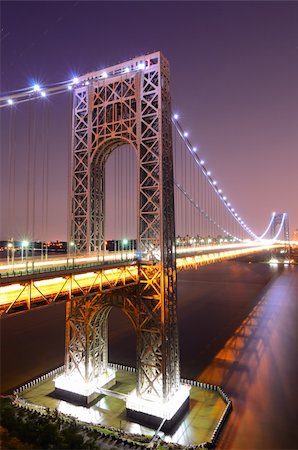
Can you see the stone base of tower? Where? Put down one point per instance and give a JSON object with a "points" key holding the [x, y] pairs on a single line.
{"points": [[73, 389], [153, 413]]}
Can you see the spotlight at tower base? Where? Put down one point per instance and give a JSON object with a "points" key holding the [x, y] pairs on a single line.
{"points": [[152, 411], [73, 388]]}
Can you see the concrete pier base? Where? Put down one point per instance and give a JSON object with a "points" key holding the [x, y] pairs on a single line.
{"points": [[154, 413], [73, 389]]}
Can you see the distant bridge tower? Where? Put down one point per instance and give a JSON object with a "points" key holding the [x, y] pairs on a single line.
{"points": [[128, 103], [279, 230], [280, 227]]}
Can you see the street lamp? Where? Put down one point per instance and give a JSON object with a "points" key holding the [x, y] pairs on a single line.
{"points": [[10, 247], [72, 245], [124, 244], [25, 245]]}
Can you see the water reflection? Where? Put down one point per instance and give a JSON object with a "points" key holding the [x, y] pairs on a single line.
{"points": [[256, 366], [228, 336]]}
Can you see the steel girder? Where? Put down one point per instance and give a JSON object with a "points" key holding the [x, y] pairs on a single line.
{"points": [[128, 106]]}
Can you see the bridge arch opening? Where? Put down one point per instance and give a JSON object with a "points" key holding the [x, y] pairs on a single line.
{"points": [[114, 331], [122, 338], [114, 197]]}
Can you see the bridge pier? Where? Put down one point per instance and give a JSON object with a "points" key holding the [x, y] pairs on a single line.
{"points": [[151, 308], [155, 412], [86, 350]]}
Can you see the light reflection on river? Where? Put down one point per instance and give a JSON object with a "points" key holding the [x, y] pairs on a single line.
{"points": [[235, 330]]}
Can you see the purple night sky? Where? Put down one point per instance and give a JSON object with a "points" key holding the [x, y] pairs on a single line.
{"points": [[234, 78]]}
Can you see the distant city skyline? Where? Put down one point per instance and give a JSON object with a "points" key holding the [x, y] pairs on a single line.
{"points": [[234, 71]]}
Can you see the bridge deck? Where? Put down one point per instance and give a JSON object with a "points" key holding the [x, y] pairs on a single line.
{"points": [[33, 283]]}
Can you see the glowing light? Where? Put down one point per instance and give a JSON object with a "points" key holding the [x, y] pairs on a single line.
{"points": [[164, 410], [75, 80], [224, 197], [194, 149], [75, 383], [185, 134], [43, 94], [88, 415], [236, 214], [220, 191], [229, 204], [69, 87], [104, 75], [176, 117], [127, 70], [273, 262], [25, 243], [9, 294], [141, 66], [36, 88], [10, 101], [214, 182], [208, 173], [202, 162], [125, 241], [87, 83]]}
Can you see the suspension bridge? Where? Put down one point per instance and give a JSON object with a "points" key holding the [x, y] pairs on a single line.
{"points": [[134, 175]]}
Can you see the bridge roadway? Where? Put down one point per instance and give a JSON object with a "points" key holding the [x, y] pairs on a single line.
{"points": [[26, 284]]}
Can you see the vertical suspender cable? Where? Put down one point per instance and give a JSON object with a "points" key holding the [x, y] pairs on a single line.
{"points": [[28, 167], [43, 175], [127, 200], [47, 180], [183, 187], [35, 142], [11, 174], [69, 166]]}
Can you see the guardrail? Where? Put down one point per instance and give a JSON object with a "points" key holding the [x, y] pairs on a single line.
{"points": [[38, 380], [31, 269], [209, 444], [223, 417]]}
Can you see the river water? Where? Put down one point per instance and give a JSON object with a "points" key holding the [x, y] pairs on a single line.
{"points": [[237, 328]]}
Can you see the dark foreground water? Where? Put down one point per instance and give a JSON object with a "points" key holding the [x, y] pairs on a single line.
{"points": [[237, 327]]}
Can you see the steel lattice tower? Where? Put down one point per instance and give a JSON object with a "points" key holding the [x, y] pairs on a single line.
{"points": [[280, 222], [130, 103]]}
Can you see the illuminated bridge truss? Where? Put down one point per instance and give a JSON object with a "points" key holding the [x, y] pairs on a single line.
{"points": [[129, 104], [27, 292], [29, 289]]}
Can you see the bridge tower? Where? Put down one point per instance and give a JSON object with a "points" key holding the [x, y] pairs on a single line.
{"points": [[128, 103], [279, 229]]}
